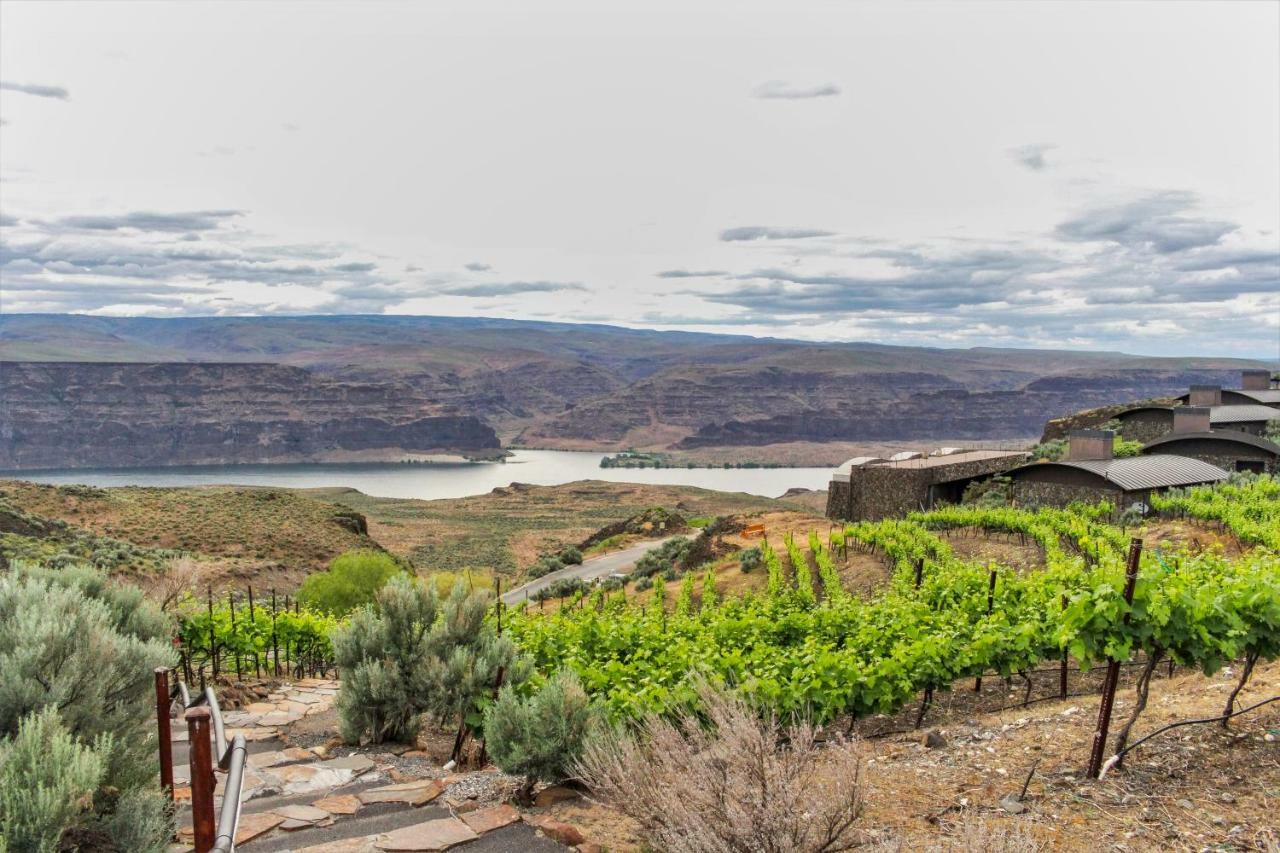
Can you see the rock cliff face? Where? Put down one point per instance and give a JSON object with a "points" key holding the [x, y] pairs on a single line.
{"points": [[68, 415], [951, 413], [370, 386]]}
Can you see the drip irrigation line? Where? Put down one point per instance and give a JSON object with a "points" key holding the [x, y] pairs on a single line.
{"points": [[1111, 762]]}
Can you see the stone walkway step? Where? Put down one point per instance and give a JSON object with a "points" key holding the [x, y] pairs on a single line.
{"points": [[426, 829]]}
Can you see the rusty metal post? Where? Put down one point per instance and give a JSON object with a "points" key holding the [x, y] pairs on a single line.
{"points": [[162, 730], [202, 782], [1113, 668]]}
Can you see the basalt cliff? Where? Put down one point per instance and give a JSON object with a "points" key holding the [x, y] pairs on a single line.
{"points": [[76, 414], [100, 391]]}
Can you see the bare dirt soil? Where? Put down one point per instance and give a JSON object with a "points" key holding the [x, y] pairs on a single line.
{"points": [[1195, 788]]}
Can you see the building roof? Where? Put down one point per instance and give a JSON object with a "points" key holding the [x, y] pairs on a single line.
{"points": [[1135, 409], [1134, 473], [1233, 436], [1269, 396], [1241, 414], [904, 455], [842, 473], [952, 459]]}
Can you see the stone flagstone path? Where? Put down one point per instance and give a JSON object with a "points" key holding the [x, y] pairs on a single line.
{"points": [[307, 792]]}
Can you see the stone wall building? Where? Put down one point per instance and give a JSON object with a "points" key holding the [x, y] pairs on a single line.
{"points": [[1229, 450], [1147, 423], [1091, 473], [1256, 386], [868, 488]]}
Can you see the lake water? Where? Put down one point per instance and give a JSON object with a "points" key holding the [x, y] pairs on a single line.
{"points": [[431, 481]]}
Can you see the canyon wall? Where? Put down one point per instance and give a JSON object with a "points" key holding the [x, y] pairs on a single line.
{"points": [[74, 415]]}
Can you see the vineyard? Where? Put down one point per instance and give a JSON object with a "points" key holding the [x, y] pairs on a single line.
{"points": [[805, 645], [816, 650]]}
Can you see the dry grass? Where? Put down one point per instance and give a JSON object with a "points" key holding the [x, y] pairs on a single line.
{"points": [[506, 530], [739, 784], [267, 536]]}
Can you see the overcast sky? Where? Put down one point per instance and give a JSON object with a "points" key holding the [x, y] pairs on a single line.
{"points": [[1100, 175]]}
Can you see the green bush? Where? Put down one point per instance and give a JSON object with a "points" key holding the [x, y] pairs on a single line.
{"points": [[664, 557], [73, 642], [750, 559], [352, 580], [47, 782], [544, 566], [413, 658], [571, 556], [1123, 448], [562, 588], [540, 737]]}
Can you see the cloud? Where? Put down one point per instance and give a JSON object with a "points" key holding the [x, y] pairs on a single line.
{"points": [[1153, 257], [36, 89], [692, 273], [783, 90], [510, 288], [1032, 156], [7, 221], [146, 262], [197, 220], [1156, 221], [764, 232], [476, 266]]}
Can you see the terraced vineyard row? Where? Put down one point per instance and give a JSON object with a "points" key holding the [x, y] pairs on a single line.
{"points": [[1251, 510], [842, 655]]}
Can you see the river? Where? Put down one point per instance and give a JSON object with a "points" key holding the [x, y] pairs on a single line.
{"points": [[436, 480]]}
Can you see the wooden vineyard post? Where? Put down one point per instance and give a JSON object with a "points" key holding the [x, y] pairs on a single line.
{"points": [[213, 637], [1062, 672], [202, 781], [275, 644], [165, 743], [257, 670], [497, 604], [1113, 668], [991, 600], [919, 572], [231, 605], [288, 658]]}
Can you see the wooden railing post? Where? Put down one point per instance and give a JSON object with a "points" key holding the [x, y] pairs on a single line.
{"points": [[202, 781], [162, 730]]}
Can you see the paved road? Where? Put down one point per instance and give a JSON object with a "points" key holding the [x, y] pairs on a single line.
{"points": [[596, 567]]}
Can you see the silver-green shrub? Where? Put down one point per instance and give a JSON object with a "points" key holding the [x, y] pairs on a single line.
{"points": [[72, 641], [413, 657], [47, 781], [541, 737]]}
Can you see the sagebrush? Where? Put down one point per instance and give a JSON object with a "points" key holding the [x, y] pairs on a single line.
{"points": [[730, 781]]}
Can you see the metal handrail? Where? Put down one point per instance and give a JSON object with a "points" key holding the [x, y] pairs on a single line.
{"points": [[229, 757], [229, 820], [219, 730]]}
